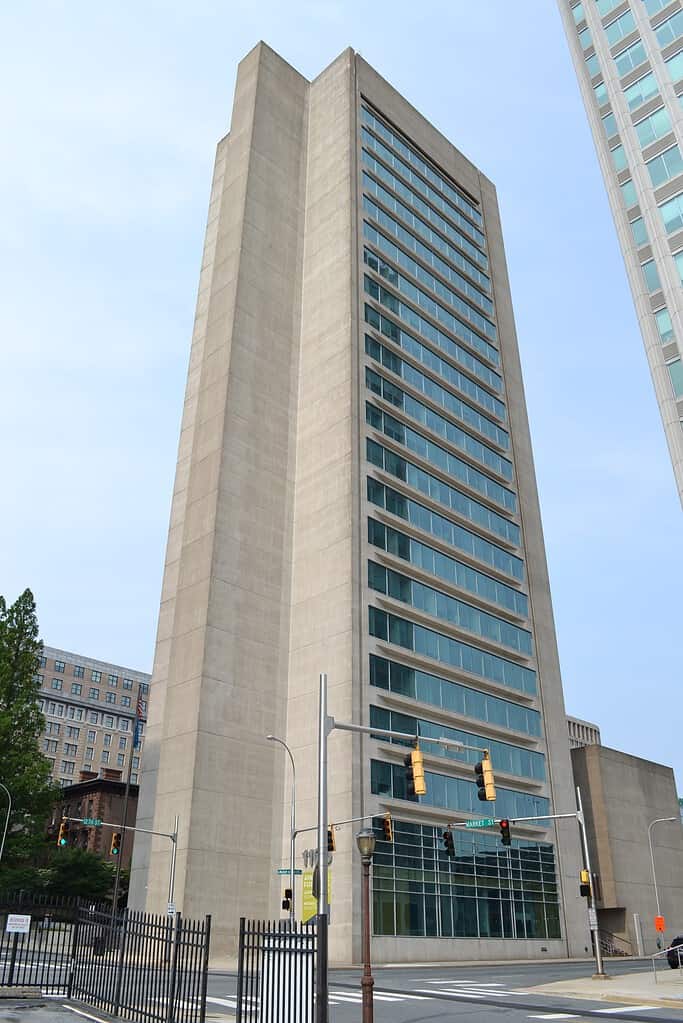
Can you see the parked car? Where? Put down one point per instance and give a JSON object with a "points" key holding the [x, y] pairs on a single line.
{"points": [[674, 953]]}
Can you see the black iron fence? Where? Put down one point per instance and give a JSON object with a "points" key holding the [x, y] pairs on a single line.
{"points": [[276, 972], [135, 966]]}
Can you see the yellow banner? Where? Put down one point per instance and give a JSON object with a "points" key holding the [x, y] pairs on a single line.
{"points": [[309, 904]]}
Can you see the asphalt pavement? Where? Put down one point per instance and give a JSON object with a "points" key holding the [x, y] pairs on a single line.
{"points": [[409, 994]]}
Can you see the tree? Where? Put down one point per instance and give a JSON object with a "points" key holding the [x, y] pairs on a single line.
{"points": [[23, 768], [78, 872]]}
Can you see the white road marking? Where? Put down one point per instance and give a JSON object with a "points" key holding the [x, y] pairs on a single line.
{"points": [[554, 1015], [625, 1008], [453, 994], [468, 983], [79, 1012], [231, 1002]]}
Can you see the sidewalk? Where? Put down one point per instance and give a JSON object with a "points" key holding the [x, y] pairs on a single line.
{"points": [[628, 987], [36, 1010]]}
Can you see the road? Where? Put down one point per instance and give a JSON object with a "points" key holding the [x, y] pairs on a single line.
{"points": [[454, 993]]}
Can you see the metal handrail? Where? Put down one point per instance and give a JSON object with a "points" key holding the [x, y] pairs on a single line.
{"points": [[678, 949]]}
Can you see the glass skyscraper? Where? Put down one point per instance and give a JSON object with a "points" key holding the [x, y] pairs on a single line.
{"points": [[355, 494], [629, 61]]}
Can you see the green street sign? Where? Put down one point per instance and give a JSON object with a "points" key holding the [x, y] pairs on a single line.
{"points": [[95, 822], [286, 870], [485, 822]]}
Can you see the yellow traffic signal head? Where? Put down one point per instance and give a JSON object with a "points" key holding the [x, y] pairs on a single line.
{"points": [[418, 772], [63, 836], [388, 829], [485, 781], [115, 847]]}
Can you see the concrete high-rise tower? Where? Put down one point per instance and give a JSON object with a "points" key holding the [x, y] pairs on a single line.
{"points": [[355, 494], [629, 61]]}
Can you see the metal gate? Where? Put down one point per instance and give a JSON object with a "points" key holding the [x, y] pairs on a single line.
{"points": [[135, 966], [276, 972], [41, 957]]}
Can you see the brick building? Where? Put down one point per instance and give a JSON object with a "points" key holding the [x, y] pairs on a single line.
{"points": [[101, 798]]}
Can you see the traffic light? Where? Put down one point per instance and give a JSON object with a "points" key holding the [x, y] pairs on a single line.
{"points": [[287, 900], [483, 776], [585, 885], [448, 843], [115, 847], [388, 830], [415, 774], [331, 846], [505, 832], [63, 836]]}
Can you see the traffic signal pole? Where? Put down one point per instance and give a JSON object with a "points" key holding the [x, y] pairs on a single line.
{"points": [[325, 726], [592, 917], [592, 913]]}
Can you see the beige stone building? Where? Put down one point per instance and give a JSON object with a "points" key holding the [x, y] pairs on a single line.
{"points": [[355, 494], [89, 709], [582, 733], [622, 796]]}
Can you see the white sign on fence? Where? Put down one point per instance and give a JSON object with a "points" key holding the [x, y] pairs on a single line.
{"points": [[18, 923], [170, 909]]}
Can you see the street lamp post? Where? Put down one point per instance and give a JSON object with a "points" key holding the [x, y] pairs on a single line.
{"points": [[660, 820], [365, 840], [9, 811], [292, 835]]}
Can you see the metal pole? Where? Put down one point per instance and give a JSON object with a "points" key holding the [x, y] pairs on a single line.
{"points": [[599, 972], [174, 850], [367, 982], [660, 820], [321, 990], [9, 811], [124, 818], [292, 832]]}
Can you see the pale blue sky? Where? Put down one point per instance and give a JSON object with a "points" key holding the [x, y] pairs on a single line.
{"points": [[111, 116]]}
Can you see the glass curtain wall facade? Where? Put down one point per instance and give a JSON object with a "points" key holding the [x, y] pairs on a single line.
{"points": [[443, 510], [628, 57]]}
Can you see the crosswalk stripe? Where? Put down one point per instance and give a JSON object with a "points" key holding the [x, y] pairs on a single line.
{"points": [[230, 1002], [625, 1008], [554, 1015], [453, 994], [468, 983]]}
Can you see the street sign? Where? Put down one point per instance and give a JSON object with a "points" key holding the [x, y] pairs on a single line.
{"points": [[660, 924], [485, 822], [18, 923], [286, 871], [170, 909], [94, 822], [592, 919]]}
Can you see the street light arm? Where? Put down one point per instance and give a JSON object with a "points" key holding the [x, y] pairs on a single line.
{"points": [[659, 820], [292, 831]]}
